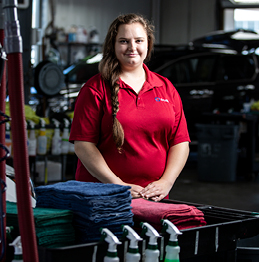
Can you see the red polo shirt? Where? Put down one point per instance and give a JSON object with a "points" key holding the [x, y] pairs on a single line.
{"points": [[153, 121]]}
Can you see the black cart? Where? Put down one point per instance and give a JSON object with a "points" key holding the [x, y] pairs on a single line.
{"points": [[215, 242]]}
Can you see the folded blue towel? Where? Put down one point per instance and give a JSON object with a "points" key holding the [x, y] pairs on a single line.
{"points": [[103, 217], [90, 189], [74, 202], [94, 205]]}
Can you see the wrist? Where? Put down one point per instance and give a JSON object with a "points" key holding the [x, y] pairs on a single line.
{"points": [[167, 181]]}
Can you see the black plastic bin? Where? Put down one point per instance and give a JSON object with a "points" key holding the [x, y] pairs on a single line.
{"points": [[248, 249], [217, 152]]}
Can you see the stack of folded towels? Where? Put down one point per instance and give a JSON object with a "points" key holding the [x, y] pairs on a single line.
{"points": [[94, 205], [53, 227], [181, 215]]}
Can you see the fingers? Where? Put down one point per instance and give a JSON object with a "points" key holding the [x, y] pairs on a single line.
{"points": [[135, 191], [134, 195], [154, 191], [150, 192]]}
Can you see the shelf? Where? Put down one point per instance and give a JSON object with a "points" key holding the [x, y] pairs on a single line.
{"points": [[73, 47]]}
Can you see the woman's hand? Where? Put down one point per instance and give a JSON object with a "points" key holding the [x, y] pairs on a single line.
{"points": [[156, 190], [135, 190]]}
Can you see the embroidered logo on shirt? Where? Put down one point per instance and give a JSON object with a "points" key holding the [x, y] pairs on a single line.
{"points": [[158, 99]]}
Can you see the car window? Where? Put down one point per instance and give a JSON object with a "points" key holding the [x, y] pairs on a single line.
{"points": [[235, 67], [204, 67], [209, 68], [160, 58], [156, 62], [179, 72], [190, 70]]}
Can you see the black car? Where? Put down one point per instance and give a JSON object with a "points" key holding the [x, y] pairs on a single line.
{"points": [[217, 80]]}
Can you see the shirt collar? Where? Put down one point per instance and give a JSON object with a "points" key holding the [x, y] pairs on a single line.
{"points": [[152, 80]]}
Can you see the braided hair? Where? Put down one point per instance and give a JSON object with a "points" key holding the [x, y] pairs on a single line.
{"points": [[110, 69]]}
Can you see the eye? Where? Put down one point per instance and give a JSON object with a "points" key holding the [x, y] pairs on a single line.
{"points": [[123, 41]]}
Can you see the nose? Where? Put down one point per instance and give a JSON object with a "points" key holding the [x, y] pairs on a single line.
{"points": [[132, 45]]}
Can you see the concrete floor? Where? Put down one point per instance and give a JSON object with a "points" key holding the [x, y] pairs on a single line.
{"points": [[241, 194]]}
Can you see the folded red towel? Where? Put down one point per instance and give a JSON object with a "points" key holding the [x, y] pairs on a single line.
{"points": [[182, 215]]}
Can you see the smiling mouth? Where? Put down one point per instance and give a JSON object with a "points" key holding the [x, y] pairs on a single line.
{"points": [[131, 55]]}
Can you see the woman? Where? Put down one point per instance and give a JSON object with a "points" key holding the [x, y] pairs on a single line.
{"points": [[129, 127]]}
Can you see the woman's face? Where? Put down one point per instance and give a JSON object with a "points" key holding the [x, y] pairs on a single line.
{"points": [[131, 45]]}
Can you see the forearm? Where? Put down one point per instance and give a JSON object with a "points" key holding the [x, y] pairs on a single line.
{"points": [[177, 157], [96, 165], [176, 160], [94, 162]]}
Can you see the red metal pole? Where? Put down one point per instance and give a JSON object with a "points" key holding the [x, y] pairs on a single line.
{"points": [[13, 47], [2, 141], [21, 159]]}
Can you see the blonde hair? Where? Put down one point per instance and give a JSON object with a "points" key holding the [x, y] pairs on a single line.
{"points": [[110, 68]]}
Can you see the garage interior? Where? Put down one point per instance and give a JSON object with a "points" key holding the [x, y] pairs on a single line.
{"points": [[221, 174]]}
